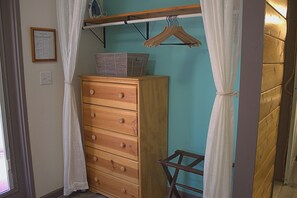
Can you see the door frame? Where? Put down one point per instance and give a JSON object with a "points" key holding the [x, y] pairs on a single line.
{"points": [[249, 97], [15, 101]]}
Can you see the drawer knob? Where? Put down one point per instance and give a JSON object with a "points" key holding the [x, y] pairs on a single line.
{"points": [[92, 91], [95, 159], [122, 145], [94, 137], [122, 121], [96, 180], [121, 95], [123, 168], [123, 190], [93, 115]]}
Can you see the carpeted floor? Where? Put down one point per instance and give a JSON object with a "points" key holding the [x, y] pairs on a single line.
{"points": [[83, 195]]}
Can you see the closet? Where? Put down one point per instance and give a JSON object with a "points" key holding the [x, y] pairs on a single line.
{"points": [[125, 120]]}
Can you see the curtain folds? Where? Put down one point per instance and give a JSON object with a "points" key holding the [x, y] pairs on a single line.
{"points": [[222, 23], [70, 17]]}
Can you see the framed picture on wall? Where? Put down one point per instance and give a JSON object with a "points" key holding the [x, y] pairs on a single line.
{"points": [[43, 44]]}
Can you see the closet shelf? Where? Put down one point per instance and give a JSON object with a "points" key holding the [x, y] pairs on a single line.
{"points": [[150, 15], [187, 11]]}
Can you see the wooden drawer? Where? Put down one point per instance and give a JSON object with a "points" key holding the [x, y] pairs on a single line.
{"points": [[110, 94], [119, 120], [112, 185], [117, 166], [118, 144]]}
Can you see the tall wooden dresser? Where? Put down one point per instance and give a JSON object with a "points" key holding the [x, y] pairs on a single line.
{"points": [[125, 134]]}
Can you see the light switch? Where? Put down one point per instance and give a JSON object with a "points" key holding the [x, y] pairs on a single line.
{"points": [[46, 78]]}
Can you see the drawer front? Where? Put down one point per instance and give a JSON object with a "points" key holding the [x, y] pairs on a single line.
{"points": [[117, 166], [118, 144], [118, 120], [110, 94], [112, 185]]}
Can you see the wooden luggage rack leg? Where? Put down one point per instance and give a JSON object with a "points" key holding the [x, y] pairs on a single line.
{"points": [[166, 163]]}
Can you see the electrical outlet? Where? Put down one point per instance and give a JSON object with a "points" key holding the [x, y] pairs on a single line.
{"points": [[46, 78]]}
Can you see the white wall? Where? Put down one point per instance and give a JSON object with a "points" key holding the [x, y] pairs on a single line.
{"points": [[44, 102]]}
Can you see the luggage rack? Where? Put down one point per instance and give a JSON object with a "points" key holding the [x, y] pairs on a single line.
{"points": [[166, 163]]}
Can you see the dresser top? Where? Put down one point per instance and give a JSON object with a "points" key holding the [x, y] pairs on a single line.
{"points": [[119, 79]]}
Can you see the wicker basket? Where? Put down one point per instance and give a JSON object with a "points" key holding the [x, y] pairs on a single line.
{"points": [[121, 64]]}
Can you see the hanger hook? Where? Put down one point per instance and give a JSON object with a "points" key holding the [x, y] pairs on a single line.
{"points": [[174, 18], [167, 20]]}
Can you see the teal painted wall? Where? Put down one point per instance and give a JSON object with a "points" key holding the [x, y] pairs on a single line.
{"points": [[191, 87]]}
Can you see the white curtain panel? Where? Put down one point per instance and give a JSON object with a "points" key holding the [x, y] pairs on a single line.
{"points": [[222, 23], [70, 17]]}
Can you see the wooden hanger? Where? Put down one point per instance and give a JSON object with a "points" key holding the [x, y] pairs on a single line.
{"points": [[173, 29]]}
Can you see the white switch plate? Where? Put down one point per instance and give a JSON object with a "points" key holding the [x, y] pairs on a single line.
{"points": [[46, 78]]}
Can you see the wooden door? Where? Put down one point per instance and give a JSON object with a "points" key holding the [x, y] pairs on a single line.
{"points": [[271, 93]]}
